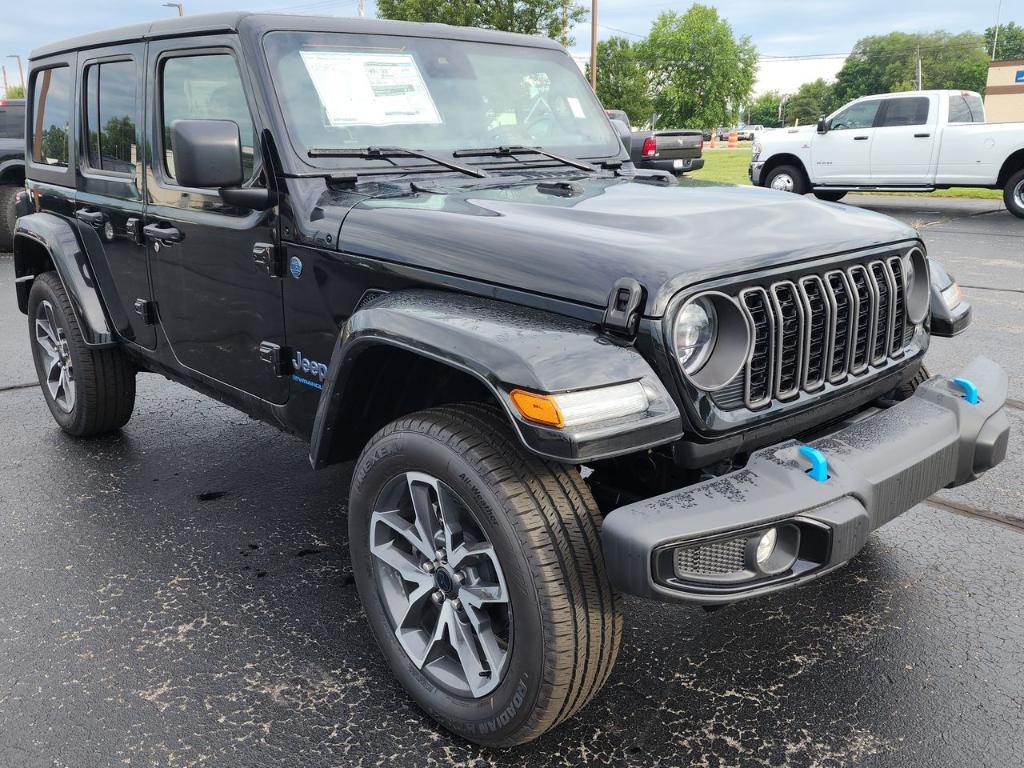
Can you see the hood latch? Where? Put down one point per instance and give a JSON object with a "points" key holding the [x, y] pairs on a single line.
{"points": [[624, 306]]}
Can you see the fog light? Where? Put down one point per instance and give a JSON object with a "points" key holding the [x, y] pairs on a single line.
{"points": [[766, 545]]}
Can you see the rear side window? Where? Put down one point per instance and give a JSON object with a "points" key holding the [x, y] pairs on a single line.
{"points": [[205, 88], [12, 120], [110, 116], [51, 116], [966, 108], [909, 111]]}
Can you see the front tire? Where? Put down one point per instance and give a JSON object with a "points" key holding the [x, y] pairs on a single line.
{"points": [[787, 178], [1013, 194], [88, 391], [8, 216], [481, 573]]}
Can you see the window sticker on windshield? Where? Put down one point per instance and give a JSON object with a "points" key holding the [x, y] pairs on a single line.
{"points": [[359, 88], [576, 107]]}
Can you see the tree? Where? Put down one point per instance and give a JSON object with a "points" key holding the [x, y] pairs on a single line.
{"points": [[887, 63], [530, 17], [1010, 44], [623, 81], [15, 92], [811, 101], [699, 70], [764, 110]]}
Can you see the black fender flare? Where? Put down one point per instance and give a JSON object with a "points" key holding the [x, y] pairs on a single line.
{"points": [[504, 347], [44, 233], [7, 165]]}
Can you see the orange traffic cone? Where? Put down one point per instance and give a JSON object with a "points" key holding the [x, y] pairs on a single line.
{"points": [[732, 140]]}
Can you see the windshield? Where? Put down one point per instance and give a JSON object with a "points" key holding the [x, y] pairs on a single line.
{"points": [[346, 91]]}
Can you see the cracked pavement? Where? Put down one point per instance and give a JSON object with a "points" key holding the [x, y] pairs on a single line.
{"points": [[179, 594]]}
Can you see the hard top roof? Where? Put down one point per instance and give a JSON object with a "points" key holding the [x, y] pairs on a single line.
{"points": [[212, 23]]}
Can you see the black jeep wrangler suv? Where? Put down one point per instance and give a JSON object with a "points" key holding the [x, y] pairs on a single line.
{"points": [[425, 250]]}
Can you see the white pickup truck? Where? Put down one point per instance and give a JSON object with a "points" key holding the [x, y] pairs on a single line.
{"points": [[917, 141]]}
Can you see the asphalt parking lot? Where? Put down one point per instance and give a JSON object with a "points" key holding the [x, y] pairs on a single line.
{"points": [[179, 594]]}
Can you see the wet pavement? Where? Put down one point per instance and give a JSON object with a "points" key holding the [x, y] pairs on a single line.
{"points": [[179, 594]]}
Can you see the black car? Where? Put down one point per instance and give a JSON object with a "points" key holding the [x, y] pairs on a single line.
{"points": [[12, 165], [424, 250]]}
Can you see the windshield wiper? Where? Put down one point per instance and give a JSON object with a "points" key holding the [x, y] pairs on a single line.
{"points": [[386, 153], [520, 150]]}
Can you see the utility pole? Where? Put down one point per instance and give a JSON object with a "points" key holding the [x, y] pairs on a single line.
{"points": [[593, 44], [362, 8], [179, 6], [919, 68], [21, 74], [4, 70], [995, 36]]}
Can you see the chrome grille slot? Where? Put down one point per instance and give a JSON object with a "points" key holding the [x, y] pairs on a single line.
{"points": [[821, 329], [789, 335], [818, 331], [884, 290], [862, 291], [839, 288], [759, 370]]}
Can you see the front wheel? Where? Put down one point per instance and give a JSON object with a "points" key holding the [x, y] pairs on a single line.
{"points": [[480, 570], [1013, 194], [787, 178]]}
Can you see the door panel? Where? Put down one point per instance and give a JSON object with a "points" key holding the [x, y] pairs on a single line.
{"points": [[216, 305], [843, 154], [111, 166], [903, 149]]}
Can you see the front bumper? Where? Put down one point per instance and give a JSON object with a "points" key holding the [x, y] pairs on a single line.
{"points": [[878, 467], [754, 173]]}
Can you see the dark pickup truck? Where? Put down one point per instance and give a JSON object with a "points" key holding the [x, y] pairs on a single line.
{"points": [[676, 151], [423, 250], [12, 165]]}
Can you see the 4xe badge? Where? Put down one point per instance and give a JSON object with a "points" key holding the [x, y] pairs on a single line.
{"points": [[308, 372]]}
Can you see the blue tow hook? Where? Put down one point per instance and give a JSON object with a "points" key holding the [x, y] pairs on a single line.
{"points": [[819, 464], [970, 390]]}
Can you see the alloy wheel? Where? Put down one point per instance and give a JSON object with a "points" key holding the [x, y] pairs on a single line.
{"points": [[440, 582], [57, 366]]}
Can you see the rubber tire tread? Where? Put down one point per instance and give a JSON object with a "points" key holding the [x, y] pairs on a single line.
{"points": [[104, 378], [558, 524]]}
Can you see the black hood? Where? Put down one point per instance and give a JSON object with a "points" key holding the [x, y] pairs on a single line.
{"points": [[573, 242]]}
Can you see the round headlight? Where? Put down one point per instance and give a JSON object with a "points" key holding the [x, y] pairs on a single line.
{"points": [[694, 334], [918, 290]]}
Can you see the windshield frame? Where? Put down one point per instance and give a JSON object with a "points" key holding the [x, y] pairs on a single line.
{"points": [[609, 152]]}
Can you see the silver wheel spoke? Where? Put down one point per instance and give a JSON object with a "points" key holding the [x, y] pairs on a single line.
{"points": [[404, 564], [422, 489], [481, 624], [410, 532], [464, 639], [56, 360]]}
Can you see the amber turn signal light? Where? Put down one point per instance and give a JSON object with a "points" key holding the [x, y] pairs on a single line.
{"points": [[541, 409]]}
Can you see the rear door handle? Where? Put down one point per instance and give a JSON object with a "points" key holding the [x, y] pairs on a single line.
{"points": [[921, 135], [165, 233], [93, 218], [860, 138]]}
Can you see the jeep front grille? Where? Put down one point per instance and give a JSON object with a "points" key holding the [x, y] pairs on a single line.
{"points": [[821, 328]]}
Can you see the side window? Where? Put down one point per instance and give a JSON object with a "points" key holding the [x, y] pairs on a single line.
{"points": [[910, 111], [110, 116], [206, 87], [51, 116], [856, 116], [12, 120], [966, 108]]}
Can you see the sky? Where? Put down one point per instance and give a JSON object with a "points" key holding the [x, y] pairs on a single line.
{"points": [[779, 28]]}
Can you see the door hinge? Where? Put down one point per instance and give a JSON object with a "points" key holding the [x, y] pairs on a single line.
{"points": [[270, 258], [622, 315], [146, 309], [133, 226], [277, 357]]}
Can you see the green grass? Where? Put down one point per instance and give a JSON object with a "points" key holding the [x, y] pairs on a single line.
{"points": [[730, 167]]}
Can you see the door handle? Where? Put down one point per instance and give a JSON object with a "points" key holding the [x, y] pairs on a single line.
{"points": [[90, 217], [164, 233], [860, 138], [921, 135]]}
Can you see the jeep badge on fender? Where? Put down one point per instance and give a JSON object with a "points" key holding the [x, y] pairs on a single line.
{"points": [[559, 379]]}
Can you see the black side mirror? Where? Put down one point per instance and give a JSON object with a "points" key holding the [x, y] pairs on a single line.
{"points": [[822, 125], [207, 153], [624, 133]]}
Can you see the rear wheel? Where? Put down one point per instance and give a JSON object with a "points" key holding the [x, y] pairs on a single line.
{"points": [[829, 195], [787, 178], [1013, 194], [89, 391], [8, 195], [480, 570]]}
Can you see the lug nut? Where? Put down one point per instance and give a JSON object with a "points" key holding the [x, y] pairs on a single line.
{"points": [[460, 578], [457, 604], [441, 555], [428, 567], [438, 597]]}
